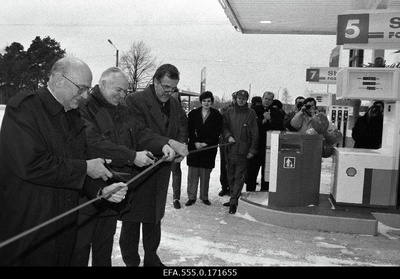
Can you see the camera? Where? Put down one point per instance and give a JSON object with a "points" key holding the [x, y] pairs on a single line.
{"points": [[300, 105]]}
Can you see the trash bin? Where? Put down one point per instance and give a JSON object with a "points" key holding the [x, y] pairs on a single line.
{"points": [[297, 176]]}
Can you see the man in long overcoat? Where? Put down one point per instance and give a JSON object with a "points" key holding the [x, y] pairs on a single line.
{"points": [[155, 108], [43, 166]]}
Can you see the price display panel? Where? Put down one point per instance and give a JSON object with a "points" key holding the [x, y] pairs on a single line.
{"points": [[368, 84]]}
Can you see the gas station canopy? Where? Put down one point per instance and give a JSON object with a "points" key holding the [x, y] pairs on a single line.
{"points": [[307, 17]]}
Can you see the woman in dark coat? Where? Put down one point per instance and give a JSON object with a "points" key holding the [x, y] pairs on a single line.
{"points": [[205, 127]]}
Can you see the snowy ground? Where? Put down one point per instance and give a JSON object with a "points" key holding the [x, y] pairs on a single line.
{"points": [[202, 235], [2, 111]]}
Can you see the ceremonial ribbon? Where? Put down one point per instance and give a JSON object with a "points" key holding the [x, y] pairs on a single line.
{"points": [[159, 161]]}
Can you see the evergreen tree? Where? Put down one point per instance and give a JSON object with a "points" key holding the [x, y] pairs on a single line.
{"points": [[27, 70]]}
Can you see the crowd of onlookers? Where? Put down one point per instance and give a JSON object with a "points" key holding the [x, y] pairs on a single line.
{"points": [[239, 130], [246, 124]]}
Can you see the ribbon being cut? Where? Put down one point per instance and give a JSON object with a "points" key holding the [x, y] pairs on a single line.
{"points": [[119, 176]]}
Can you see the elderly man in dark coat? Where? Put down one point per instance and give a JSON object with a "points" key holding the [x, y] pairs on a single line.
{"points": [[43, 166], [155, 108], [112, 132]]}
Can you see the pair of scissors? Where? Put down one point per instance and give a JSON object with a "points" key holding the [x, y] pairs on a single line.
{"points": [[120, 176]]}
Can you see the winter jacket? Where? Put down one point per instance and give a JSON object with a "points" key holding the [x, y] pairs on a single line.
{"points": [[113, 133], [241, 124], [301, 122]]}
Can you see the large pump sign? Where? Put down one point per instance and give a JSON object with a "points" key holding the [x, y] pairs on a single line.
{"points": [[374, 30]]}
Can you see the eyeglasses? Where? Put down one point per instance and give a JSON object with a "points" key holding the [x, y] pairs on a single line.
{"points": [[167, 89], [81, 90]]}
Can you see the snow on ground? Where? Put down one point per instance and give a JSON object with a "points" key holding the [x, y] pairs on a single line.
{"points": [[2, 111], [202, 235]]}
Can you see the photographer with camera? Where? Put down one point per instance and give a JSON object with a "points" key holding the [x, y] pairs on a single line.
{"points": [[298, 102], [301, 121]]}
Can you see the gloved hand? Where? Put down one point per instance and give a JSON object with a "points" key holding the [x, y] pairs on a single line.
{"points": [[178, 147]]}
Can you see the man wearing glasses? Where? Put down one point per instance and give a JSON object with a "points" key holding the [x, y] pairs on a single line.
{"points": [[43, 165], [158, 110]]}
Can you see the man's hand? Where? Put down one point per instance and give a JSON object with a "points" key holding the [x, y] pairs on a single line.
{"points": [[168, 152], [199, 145], [178, 147], [250, 155], [96, 169], [179, 159], [143, 158], [308, 110], [117, 196], [267, 116], [231, 139]]}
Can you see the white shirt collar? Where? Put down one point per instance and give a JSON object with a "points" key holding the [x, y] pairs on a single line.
{"points": [[52, 93]]}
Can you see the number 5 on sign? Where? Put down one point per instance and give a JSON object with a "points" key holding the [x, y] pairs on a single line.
{"points": [[352, 29]]}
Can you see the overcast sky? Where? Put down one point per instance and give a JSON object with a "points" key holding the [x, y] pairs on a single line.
{"points": [[191, 34]]}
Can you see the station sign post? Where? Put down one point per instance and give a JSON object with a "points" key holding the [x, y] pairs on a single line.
{"points": [[369, 29], [324, 75]]}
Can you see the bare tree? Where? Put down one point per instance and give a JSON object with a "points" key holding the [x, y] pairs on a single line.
{"points": [[285, 96], [139, 64]]}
